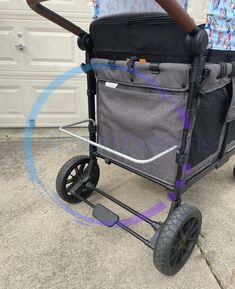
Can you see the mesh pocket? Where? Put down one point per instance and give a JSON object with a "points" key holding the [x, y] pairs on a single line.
{"points": [[210, 120]]}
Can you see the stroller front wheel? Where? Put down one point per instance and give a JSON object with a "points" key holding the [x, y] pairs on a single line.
{"points": [[177, 239], [73, 171]]}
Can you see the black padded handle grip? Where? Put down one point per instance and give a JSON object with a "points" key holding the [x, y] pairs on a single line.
{"points": [[181, 17], [54, 17]]}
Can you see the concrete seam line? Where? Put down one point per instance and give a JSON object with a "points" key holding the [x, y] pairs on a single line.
{"points": [[209, 265]]}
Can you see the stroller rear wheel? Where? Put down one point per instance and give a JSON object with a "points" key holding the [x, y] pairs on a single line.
{"points": [[74, 170], [177, 239]]}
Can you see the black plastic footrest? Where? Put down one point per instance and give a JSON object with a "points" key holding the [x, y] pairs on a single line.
{"points": [[105, 216]]}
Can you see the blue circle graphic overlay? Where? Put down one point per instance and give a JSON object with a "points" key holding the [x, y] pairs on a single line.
{"points": [[28, 153]]}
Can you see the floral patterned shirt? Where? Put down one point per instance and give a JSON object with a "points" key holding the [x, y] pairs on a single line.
{"points": [[105, 7], [220, 24]]}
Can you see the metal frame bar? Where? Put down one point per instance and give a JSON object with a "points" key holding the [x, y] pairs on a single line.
{"points": [[136, 235], [121, 155], [126, 167], [215, 165], [152, 223], [148, 243], [198, 63]]}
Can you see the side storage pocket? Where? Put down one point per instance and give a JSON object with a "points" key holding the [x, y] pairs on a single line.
{"points": [[210, 120], [230, 137], [210, 125], [143, 118]]}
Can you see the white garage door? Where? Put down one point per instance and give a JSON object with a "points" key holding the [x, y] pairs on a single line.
{"points": [[48, 52]]}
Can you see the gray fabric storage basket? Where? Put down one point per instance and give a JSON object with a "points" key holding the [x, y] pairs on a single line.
{"points": [[214, 83], [231, 119], [144, 117]]}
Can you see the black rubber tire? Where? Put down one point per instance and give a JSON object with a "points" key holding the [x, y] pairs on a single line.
{"points": [[65, 173], [234, 172], [172, 244]]}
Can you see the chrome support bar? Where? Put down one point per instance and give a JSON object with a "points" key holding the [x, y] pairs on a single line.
{"points": [[118, 154]]}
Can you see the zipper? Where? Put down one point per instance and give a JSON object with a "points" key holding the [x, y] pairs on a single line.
{"points": [[137, 52], [163, 19]]}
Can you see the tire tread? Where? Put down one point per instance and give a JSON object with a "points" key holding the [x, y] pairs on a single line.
{"points": [[167, 234]]}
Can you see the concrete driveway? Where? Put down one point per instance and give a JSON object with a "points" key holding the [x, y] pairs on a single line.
{"points": [[45, 246]]}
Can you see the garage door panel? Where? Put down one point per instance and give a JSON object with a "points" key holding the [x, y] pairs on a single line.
{"points": [[45, 48], [50, 48], [82, 6], [11, 59], [5, 4], [8, 57], [62, 101], [11, 101], [65, 105], [198, 10], [13, 4], [57, 5], [18, 96]]}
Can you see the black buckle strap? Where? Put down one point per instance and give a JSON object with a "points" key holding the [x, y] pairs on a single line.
{"points": [[206, 73], [131, 66], [112, 65], [181, 159], [155, 68]]}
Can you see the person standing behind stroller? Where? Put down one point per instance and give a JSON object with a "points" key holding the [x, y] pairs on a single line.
{"points": [[220, 24], [107, 7]]}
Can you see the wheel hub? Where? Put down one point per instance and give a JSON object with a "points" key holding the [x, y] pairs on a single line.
{"points": [[184, 240]]}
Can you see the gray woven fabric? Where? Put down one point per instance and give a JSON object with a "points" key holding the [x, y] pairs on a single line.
{"points": [[208, 161], [141, 114], [213, 82], [177, 81], [231, 116]]}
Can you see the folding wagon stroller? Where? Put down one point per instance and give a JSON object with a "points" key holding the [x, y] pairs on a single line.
{"points": [[161, 106]]}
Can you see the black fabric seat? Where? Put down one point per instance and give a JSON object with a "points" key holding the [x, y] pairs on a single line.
{"points": [[151, 36]]}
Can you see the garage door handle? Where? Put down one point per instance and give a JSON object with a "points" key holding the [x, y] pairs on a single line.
{"points": [[20, 46], [54, 17]]}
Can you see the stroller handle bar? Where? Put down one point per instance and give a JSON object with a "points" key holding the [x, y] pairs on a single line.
{"points": [[181, 17], [172, 7], [109, 150], [54, 17]]}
